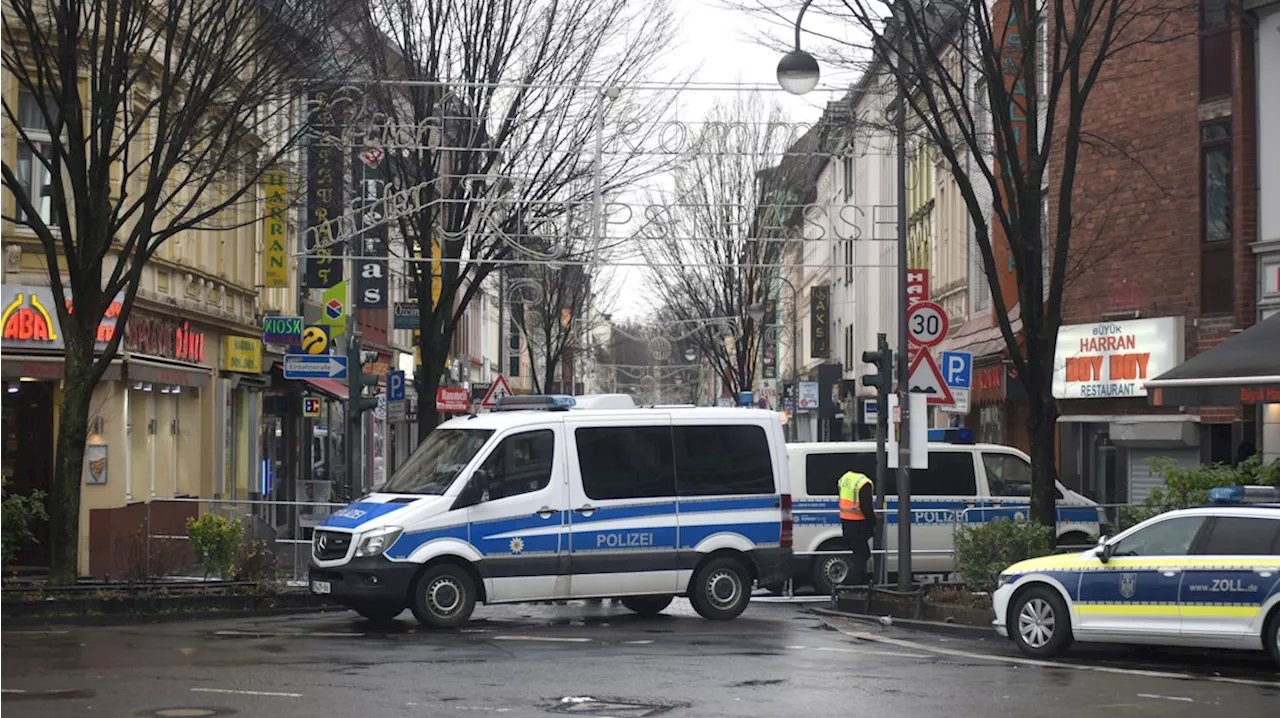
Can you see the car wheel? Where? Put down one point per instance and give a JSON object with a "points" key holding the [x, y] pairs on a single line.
{"points": [[721, 589], [647, 605], [1039, 622], [829, 571], [378, 611], [1271, 636], [444, 596]]}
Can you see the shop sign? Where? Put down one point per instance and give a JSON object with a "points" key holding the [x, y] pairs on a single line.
{"points": [[164, 338], [377, 368], [819, 321], [406, 315], [275, 257], [311, 407], [242, 354], [452, 400], [30, 319], [988, 384], [282, 330], [1115, 359]]}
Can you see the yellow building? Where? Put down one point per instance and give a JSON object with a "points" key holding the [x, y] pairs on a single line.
{"points": [[176, 415]]}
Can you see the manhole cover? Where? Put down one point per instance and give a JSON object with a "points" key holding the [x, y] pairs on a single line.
{"points": [[186, 712], [615, 708]]}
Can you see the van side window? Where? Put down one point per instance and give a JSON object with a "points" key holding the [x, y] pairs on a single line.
{"points": [[626, 462], [823, 471], [950, 473], [722, 460], [521, 464], [1007, 474]]}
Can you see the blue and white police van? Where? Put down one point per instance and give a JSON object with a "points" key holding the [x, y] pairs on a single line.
{"points": [[966, 483], [1206, 577], [553, 498]]}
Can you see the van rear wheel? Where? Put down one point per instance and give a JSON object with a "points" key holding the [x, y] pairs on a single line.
{"points": [[647, 605], [829, 571], [444, 596], [721, 589]]}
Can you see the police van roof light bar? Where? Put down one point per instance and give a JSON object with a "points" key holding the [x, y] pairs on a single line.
{"points": [[545, 402]]}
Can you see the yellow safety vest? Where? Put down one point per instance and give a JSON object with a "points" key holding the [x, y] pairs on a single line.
{"points": [[850, 487]]}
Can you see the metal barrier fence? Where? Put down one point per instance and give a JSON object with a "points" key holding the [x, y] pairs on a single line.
{"points": [[280, 531], [277, 535]]}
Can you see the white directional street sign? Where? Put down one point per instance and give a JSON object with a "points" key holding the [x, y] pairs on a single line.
{"points": [[926, 379], [927, 324], [314, 366]]}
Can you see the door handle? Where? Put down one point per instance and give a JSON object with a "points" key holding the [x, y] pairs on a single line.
{"points": [[1170, 570], [585, 510], [545, 512], [1265, 571]]}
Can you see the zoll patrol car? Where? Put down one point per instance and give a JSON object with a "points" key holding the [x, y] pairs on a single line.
{"points": [[551, 499], [1207, 577]]}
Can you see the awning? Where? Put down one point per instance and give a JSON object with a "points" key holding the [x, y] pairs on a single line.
{"points": [[44, 367], [153, 372], [335, 389], [1244, 369]]}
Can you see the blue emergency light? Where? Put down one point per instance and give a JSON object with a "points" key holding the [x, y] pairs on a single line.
{"points": [[544, 402], [953, 435], [1243, 495]]}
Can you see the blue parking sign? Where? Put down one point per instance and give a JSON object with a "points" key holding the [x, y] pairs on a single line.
{"points": [[395, 386], [957, 369]]}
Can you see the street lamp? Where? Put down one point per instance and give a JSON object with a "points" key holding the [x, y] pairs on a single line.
{"points": [[756, 311], [690, 354], [798, 70]]}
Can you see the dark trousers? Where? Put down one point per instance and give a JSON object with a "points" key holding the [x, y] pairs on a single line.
{"points": [[857, 534]]}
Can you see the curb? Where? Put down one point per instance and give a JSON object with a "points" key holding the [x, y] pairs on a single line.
{"points": [[125, 619], [953, 629]]}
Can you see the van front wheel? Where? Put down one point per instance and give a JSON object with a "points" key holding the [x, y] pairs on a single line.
{"points": [[721, 589], [444, 596]]}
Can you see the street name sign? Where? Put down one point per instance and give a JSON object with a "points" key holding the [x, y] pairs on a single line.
{"points": [[308, 366]]}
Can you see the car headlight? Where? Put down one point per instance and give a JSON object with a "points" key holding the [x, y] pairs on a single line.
{"points": [[373, 543], [1003, 579]]}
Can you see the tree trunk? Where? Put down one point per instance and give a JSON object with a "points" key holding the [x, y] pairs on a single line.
{"points": [[1042, 424], [427, 381], [64, 490]]}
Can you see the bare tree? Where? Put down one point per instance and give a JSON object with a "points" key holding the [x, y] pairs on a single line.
{"points": [[155, 118], [722, 230], [555, 304], [531, 125], [1009, 83]]}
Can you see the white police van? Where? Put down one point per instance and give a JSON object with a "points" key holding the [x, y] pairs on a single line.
{"points": [[551, 498], [966, 483]]}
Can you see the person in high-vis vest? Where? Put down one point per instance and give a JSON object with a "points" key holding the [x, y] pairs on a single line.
{"points": [[857, 514]]}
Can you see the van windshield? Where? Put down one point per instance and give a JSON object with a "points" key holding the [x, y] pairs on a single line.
{"points": [[437, 462]]}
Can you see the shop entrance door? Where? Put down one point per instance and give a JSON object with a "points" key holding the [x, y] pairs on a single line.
{"points": [[28, 454]]}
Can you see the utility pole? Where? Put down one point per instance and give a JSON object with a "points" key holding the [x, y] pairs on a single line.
{"points": [[904, 369]]}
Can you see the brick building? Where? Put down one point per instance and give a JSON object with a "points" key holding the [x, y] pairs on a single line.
{"points": [[1163, 269]]}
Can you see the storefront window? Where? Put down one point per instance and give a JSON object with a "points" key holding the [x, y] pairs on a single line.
{"points": [[991, 424]]}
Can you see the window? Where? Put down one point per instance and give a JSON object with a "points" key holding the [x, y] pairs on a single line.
{"points": [[950, 473], [1171, 537], [1007, 474], [1240, 536], [34, 177], [1216, 271], [513, 347], [1215, 50], [847, 167], [626, 462], [437, 462], [521, 464], [822, 472], [714, 460]]}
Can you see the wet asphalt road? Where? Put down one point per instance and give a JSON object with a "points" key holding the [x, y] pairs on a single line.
{"points": [[775, 660]]}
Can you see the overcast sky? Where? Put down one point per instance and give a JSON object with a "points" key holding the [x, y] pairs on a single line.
{"points": [[720, 43]]}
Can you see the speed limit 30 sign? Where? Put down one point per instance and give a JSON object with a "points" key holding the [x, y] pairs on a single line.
{"points": [[927, 324]]}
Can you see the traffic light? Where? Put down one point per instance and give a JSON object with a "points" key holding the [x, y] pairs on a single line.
{"points": [[357, 380], [882, 379]]}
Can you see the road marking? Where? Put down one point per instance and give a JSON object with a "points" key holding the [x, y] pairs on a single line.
{"points": [[13, 690], [36, 633], [1166, 698], [869, 652], [547, 639], [289, 634], [271, 694], [637, 643], [862, 635]]}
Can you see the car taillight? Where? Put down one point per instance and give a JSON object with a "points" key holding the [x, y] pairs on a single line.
{"points": [[787, 527]]}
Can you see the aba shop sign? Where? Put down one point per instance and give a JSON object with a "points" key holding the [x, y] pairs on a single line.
{"points": [[166, 338], [30, 319]]}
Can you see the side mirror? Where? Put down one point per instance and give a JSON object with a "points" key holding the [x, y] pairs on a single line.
{"points": [[476, 492], [1104, 549]]}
